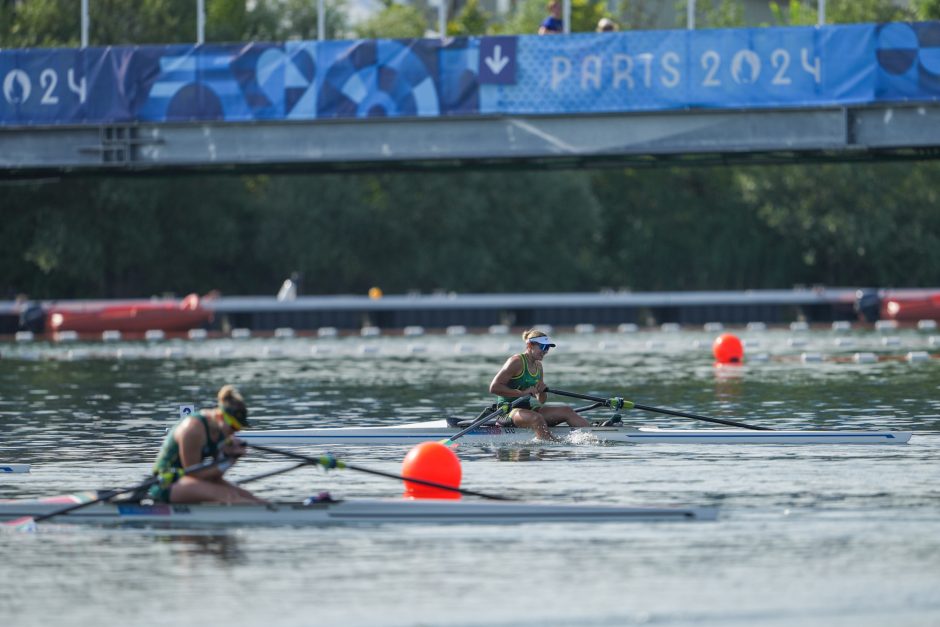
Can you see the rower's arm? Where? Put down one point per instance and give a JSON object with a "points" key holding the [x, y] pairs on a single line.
{"points": [[500, 383], [191, 437]]}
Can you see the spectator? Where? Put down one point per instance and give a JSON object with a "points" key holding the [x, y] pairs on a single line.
{"points": [[606, 25], [552, 24]]}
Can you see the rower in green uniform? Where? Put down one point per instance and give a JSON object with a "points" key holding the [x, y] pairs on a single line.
{"points": [[521, 376], [206, 434]]}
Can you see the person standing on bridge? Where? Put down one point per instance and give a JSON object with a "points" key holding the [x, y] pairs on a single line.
{"points": [[205, 434], [552, 25], [522, 376]]}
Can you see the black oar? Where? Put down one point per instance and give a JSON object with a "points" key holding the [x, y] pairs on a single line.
{"points": [[107, 495], [279, 471], [502, 410], [619, 403], [328, 462]]}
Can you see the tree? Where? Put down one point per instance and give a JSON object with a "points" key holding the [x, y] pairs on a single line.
{"points": [[472, 20], [280, 20], [530, 13], [804, 13], [395, 21], [712, 13]]}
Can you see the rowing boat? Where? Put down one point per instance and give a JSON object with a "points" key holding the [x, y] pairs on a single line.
{"points": [[414, 433], [332, 512]]}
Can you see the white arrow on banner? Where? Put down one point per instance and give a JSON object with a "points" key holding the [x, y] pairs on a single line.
{"points": [[497, 62]]}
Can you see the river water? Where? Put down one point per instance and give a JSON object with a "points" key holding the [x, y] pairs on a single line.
{"points": [[815, 535]]}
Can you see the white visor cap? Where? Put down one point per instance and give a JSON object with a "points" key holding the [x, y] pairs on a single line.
{"points": [[544, 340]]}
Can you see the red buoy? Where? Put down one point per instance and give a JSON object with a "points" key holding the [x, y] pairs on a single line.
{"points": [[728, 349], [431, 461]]}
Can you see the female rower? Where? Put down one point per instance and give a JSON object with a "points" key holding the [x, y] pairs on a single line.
{"points": [[521, 376], [206, 434]]}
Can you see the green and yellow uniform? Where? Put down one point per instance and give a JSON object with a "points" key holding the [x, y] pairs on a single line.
{"points": [[523, 380], [169, 466]]}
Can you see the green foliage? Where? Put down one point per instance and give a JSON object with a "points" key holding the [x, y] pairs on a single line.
{"points": [[42, 24], [804, 13], [851, 224], [927, 9], [711, 13], [585, 14], [680, 228], [472, 20], [526, 18], [395, 21], [46, 23], [793, 13], [281, 20], [638, 14], [529, 15], [665, 229]]}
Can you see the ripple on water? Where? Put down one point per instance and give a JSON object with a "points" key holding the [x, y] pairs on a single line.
{"points": [[821, 535]]}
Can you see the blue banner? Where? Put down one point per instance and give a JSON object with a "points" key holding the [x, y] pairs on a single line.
{"points": [[586, 73]]}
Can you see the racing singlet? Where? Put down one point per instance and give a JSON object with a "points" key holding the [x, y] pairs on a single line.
{"points": [[168, 464], [523, 380]]}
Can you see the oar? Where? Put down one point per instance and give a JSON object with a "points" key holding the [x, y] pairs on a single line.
{"points": [[479, 421], [30, 521], [328, 462], [279, 471], [619, 403]]}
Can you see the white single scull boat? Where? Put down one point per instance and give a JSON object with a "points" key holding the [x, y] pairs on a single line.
{"points": [[414, 433], [358, 511]]}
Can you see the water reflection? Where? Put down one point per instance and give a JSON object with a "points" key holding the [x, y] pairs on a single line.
{"points": [[191, 547]]}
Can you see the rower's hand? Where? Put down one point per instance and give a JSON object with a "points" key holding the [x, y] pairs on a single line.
{"points": [[540, 387], [534, 402], [234, 447]]}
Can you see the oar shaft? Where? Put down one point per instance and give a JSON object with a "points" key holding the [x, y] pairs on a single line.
{"points": [[479, 421], [586, 397], [661, 410], [279, 471], [110, 494], [672, 412], [336, 463]]}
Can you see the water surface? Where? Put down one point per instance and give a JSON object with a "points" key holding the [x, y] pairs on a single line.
{"points": [[819, 535]]}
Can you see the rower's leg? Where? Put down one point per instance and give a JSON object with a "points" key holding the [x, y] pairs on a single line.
{"points": [[557, 414], [193, 490], [529, 419]]}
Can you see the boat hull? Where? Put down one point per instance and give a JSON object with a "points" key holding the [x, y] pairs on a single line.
{"points": [[364, 511], [438, 430], [129, 316]]}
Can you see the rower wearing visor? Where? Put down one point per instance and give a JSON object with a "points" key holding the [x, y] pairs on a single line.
{"points": [[521, 376], [205, 434]]}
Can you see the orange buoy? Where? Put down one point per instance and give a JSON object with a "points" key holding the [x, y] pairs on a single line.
{"points": [[728, 349], [375, 293], [431, 461]]}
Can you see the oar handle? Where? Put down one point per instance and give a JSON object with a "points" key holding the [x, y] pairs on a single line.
{"points": [[618, 403], [328, 462], [479, 421]]}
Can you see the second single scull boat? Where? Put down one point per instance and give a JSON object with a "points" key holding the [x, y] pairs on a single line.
{"points": [[416, 432]]}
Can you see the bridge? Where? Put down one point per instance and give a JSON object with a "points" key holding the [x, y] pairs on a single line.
{"points": [[645, 98]]}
